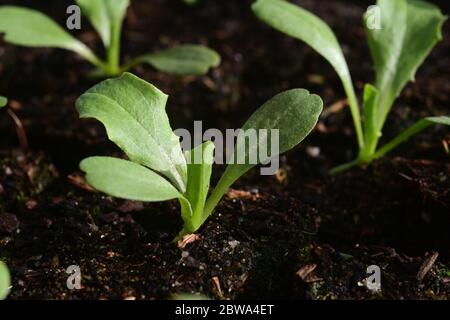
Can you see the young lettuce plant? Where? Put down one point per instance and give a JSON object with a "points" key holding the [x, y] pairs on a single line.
{"points": [[31, 28], [409, 30], [133, 113]]}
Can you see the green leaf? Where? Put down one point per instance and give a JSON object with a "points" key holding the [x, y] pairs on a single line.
{"points": [[189, 297], [191, 2], [3, 101], [200, 160], [5, 281], [133, 113], [371, 132], [127, 180], [408, 133], [103, 15], [409, 30], [181, 60], [301, 24], [27, 27], [294, 113]]}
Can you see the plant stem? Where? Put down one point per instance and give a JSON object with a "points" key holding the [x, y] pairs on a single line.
{"points": [[354, 109], [402, 137], [113, 51], [214, 199], [345, 167], [86, 53], [134, 62]]}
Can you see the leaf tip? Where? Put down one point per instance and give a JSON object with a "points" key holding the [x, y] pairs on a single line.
{"points": [[3, 102]]}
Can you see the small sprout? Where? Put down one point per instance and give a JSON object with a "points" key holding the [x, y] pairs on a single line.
{"points": [[5, 281], [409, 31], [3, 101], [133, 113], [31, 28]]}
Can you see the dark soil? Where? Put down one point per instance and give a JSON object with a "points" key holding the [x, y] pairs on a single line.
{"points": [[299, 235]]}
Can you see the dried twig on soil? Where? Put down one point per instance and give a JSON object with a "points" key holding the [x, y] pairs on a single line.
{"points": [[305, 273], [20, 129], [80, 182], [189, 238], [427, 265], [241, 194], [216, 283]]}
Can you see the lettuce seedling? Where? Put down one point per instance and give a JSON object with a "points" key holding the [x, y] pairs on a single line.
{"points": [[5, 281], [409, 30], [133, 113], [31, 28]]}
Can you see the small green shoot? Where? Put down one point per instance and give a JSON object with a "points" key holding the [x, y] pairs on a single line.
{"points": [[5, 281], [31, 28], [409, 30], [3, 101], [133, 113]]}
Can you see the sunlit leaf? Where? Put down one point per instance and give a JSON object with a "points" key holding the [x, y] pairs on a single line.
{"points": [[408, 133], [303, 25], [133, 113], [31, 28], [127, 180], [103, 14], [5, 281], [409, 30], [182, 60], [294, 113]]}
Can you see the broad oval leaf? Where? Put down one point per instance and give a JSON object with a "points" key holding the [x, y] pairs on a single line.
{"points": [[294, 113], [133, 113], [409, 30], [127, 180], [103, 14], [200, 161], [31, 28], [5, 281], [3, 101], [182, 60], [303, 25]]}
